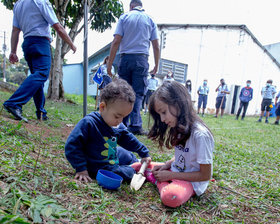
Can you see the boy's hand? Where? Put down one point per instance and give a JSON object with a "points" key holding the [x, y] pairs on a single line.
{"points": [[83, 176], [146, 159]]}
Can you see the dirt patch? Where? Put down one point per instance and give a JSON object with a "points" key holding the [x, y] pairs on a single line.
{"points": [[35, 127]]}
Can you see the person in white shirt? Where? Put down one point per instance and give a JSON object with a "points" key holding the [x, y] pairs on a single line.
{"points": [[268, 92], [177, 125], [202, 92], [152, 86]]}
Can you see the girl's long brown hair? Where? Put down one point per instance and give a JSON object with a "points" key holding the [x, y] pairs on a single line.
{"points": [[174, 95]]}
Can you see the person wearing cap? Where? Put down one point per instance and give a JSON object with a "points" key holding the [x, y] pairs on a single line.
{"points": [[202, 92], [245, 96], [133, 35], [33, 18], [152, 86], [268, 92]]}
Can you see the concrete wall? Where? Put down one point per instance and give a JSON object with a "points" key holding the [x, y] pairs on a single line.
{"points": [[215, 53]]}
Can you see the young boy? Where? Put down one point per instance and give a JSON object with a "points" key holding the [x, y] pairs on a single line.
{"points": [[268, 93], [246, 95], [277, 111], [92, 145]]}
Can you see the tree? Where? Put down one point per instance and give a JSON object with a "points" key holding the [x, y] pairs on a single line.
{"points": [[102, 13]]}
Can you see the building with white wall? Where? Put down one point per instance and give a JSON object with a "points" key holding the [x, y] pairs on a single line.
{"points": [[213, 52]]}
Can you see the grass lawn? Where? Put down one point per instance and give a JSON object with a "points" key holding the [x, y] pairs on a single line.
{"points": [[37, 185]]}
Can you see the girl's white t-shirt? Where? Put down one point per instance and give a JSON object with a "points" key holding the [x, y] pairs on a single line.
{"points": [[198, 150]]}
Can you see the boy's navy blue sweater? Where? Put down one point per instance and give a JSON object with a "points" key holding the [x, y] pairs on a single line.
{"points": [[246, 94], [92, 144]]}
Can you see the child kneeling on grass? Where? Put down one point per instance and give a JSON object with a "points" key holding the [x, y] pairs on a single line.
{"points": [[177, 125], [92, 145]]}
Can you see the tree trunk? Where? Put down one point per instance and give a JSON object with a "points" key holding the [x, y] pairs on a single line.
{"points": [[55, 90]]}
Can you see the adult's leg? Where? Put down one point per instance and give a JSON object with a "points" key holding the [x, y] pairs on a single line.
{"points": [[239, 109], [125, 73], [199, 103], [205, 97], [175, 193], [37, 54], [139, 67], [223, 106], [245, 104], [218, 104]]}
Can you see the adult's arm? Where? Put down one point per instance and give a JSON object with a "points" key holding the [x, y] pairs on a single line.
{"points": [[156, 51], [113, 51], [14, 42], [62, 33], [217, 89]]}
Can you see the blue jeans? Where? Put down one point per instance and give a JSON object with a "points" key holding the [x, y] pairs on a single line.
{"points": [[134, 69], [37, 53], [126, 158], [202, 99]]}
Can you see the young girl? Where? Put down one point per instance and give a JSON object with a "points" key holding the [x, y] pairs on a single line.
{"points": [[177, 125]]}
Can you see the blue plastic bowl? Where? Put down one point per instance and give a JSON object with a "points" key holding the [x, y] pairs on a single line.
{"points": [[108, 179]]}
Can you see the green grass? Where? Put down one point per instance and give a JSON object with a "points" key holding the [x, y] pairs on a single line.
{"points": [[37, 185]]}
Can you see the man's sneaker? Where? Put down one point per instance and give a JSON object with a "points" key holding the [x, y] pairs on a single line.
{"points": [[276, 122], [215, 116], [242, 118], [260, 120], [266, 121], [45, 117], [16, 112]]}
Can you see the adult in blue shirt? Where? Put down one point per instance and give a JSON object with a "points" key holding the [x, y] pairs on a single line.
{"points": [[202, 92], [246, 95], [268, 92], [135, 30], [221, 99], [33, 18]]}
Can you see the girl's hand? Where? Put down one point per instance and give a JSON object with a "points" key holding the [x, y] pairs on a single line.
{"points": [[83, 176], [160, 168], [163, 175]]}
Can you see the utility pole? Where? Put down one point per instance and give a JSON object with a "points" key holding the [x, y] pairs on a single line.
{"points": [[4, 48], [85, 57], [4, 57]]}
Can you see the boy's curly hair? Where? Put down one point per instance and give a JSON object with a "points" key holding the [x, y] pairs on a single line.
{"points": [[119, 89]]}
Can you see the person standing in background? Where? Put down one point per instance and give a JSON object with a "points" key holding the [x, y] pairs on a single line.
{"points": [[189, 86], [33, 18], [277, 109], [169, 76], [135, 30], [268, 92], [152, 86], [246, 95], [221, 99], [202, 92]]}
